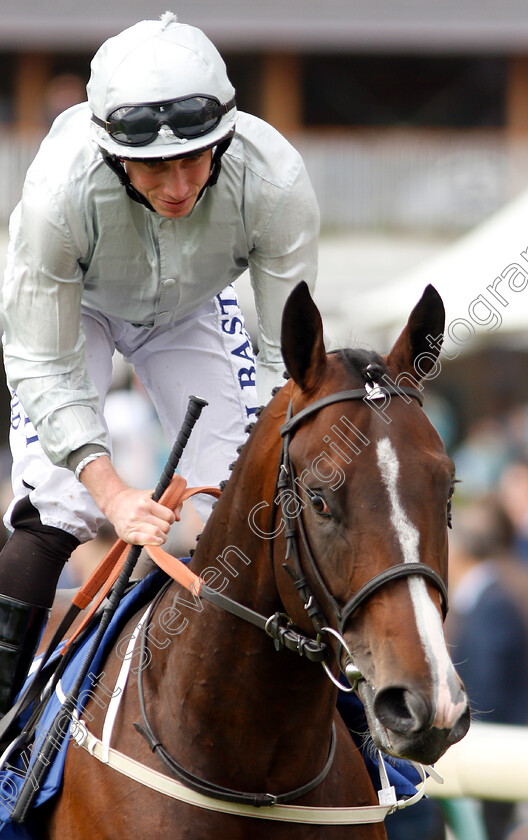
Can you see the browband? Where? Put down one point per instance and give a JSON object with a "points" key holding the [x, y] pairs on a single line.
{"points": [[355, 394]]}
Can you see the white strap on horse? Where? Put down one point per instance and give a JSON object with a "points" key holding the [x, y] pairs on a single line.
{"points": [[168, 786], [285, 813]]}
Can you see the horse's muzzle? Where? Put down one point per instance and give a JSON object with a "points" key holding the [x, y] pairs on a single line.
{"points": [[402, 723]]}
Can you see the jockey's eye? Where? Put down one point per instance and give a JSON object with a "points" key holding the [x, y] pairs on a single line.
{"points": [[319, 505]]}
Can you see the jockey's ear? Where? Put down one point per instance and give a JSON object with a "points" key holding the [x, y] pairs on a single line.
{"points": [[418, 347], [302, 342]]}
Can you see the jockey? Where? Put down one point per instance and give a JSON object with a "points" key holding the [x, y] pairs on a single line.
{"points": [[141, 207]]}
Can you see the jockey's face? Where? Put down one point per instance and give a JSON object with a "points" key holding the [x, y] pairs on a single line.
{"points": [[171, 186]]}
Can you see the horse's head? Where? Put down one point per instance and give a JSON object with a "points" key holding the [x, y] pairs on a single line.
{"points": [[369, 489]]}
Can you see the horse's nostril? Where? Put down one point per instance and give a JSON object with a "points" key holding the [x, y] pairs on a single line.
{"points": [[401, 710]]}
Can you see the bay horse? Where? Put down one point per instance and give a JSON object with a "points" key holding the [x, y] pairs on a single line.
{"points": [[347, 540]]}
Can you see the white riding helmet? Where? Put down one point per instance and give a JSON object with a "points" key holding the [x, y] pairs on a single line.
{"points": [[159, 90]]}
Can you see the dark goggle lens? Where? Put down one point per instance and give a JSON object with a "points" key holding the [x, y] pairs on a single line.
{"points": [[133, 125], [137, 125]]}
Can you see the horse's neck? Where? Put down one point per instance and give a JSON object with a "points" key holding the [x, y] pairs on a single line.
{"points": [[232, 558], [230, 660], [231, 552]]}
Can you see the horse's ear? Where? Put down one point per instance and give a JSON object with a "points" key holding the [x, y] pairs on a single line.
{"points": [[302, 343], [418, 346]]}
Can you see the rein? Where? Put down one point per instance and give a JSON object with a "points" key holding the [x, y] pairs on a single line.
{"points": [[256, 800]]}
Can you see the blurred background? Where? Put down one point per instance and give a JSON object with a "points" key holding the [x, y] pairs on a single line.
{"points": [[412, 117]]}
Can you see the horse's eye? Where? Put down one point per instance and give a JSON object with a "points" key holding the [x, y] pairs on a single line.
{"points": [[449, 512], [319, 505]]}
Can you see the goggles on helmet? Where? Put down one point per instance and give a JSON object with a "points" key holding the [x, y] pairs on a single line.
{"points": [[188, 118]]}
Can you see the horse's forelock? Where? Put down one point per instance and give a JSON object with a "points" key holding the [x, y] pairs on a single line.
{"points": [[357, 361]]}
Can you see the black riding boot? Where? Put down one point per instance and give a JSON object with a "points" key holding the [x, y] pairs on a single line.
{"points": [[21, 627], [30, 565]]}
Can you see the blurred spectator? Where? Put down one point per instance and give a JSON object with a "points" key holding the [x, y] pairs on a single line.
{"points": [[488, 626], [443, 417], [423, 821], [520, 833], [482, 456], [139, 448], [63, 91], [513, 494]]}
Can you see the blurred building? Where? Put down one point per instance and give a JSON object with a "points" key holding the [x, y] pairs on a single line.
{"points": [[410, 113], [412, 117]]}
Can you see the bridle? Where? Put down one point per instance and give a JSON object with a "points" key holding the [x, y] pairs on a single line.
{"points": [[280, 627], [295, 525]]}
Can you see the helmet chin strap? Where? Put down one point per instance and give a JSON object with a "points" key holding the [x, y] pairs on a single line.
{"points": [[117, 167], [216, 163]]}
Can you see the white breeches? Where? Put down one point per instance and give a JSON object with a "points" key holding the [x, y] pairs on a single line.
{"points": [[208, 354]]}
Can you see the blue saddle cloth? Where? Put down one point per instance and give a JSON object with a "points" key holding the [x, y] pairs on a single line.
{"points": [[12, 778], [401, 774]]}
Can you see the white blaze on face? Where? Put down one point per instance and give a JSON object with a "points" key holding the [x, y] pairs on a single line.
{"points": [[451, 701]]}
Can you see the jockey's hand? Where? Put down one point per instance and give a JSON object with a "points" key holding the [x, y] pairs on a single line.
{"points": [[136, 517]]}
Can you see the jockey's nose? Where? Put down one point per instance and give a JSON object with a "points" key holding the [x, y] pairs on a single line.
{"points": [[176, 181]]}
